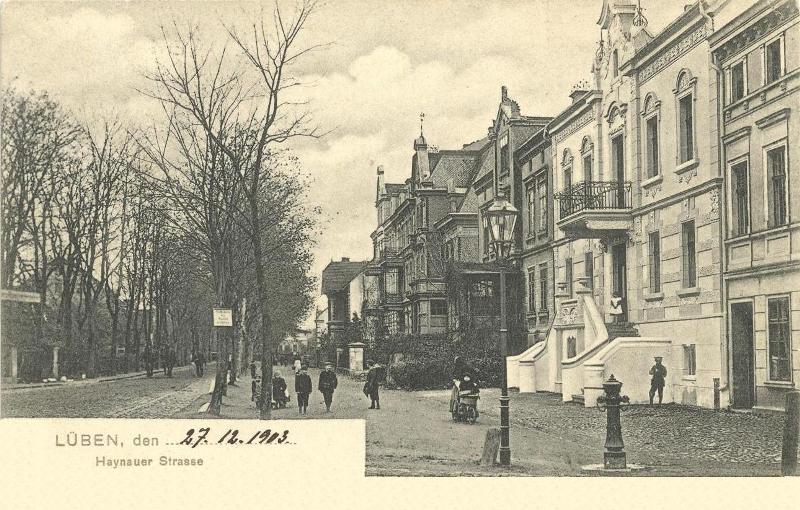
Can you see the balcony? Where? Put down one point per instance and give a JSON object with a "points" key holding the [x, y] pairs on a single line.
{"points": [[595, 209], [390, 255]]}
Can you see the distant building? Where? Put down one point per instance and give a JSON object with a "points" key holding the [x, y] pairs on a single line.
{"points": [[336, 278]]}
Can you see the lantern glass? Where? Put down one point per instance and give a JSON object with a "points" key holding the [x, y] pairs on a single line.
{"points": [[502, 216]]}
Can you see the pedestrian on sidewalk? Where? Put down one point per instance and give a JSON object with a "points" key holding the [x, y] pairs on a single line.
{"points": [[659, 373], [327, 385], [253, 369], [279, 389], [198, 364], [302, 385], [372, 386]]}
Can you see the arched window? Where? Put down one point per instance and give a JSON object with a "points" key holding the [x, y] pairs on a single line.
{"points": [[587, 159], [685, 97]]}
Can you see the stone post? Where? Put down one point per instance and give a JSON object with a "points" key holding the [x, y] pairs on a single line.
{"points": [[356, 356], [55, 363], [14, 366]]}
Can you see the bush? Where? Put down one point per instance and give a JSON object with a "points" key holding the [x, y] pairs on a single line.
{"points": [[418, 374]]}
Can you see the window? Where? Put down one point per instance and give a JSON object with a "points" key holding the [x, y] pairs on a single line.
{"points": [[391, 282], [740, 192], [531, 200], [486, 238], [614, 64], [505, 164], [543, 290], [774, 60], [587, 168], [652, 146], [618, 167], [567, 178], [690, 359], [618, 158], [532, 290], [654, 247], [588, 268], [689, 255], [776, 186], [541, 190], [568, 275], [779, 339], [438, 307], [686, 128], [738, 90]]}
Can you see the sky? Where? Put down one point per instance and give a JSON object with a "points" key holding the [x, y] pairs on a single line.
{"points": [[384, 62]]}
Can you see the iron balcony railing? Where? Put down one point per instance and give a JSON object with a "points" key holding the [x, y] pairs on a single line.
{"points": [[594, 195]]}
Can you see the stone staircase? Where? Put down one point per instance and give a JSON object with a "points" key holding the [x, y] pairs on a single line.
{"points": [[615, 330], [618, 329]]}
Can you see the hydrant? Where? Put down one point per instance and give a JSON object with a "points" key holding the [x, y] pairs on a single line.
{"points": [[614, 455]]}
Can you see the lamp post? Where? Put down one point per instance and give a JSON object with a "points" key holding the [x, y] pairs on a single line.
{"points": [[502, 216]]}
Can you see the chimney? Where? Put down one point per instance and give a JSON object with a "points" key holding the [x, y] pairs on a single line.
{"points": [[490, 130], [345, 259], [503, 93], [579, 89], [381, 182]]}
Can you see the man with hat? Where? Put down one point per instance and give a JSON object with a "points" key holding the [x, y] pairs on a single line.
{"points": [[327, 385], [659, 373], [372, 386]]}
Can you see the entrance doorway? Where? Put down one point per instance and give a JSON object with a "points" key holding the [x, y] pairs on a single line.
{"points": [[742, 350], [618, 276]]}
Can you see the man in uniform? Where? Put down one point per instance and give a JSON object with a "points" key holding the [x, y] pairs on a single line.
{"points": [[659, 373], [327, 385]]}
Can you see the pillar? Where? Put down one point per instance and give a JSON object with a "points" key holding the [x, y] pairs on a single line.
{"points": [[527, 376], [356, 356]]}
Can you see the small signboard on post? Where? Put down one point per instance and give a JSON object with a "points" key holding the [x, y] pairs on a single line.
{"points": [[223, 317]]}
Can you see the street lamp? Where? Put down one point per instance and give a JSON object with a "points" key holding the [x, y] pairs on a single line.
{"points": [[502, 216]]}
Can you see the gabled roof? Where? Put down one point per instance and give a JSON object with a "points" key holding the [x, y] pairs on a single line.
{"points": [[337, 275]]}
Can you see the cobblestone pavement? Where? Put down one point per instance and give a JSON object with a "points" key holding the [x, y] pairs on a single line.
{"points": [[140, 397], [668, 436]]}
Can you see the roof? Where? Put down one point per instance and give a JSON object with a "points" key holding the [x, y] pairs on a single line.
{"points": [[337, 275], [456, 165]]}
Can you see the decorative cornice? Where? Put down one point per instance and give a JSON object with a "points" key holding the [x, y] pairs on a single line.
{"points": [[774, 118], [735, 135], [763, 27], [575, 125], [674, 52]]}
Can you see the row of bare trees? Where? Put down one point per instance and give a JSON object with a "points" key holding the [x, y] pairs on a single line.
{"points": [[155, 225]]}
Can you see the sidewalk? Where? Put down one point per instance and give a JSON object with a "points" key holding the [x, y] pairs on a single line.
{"points": [[74, 382]]}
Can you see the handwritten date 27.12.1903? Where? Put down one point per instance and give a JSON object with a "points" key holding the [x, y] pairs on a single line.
{"points": [[202, 436]]}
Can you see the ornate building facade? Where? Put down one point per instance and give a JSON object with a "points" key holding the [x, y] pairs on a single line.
{"points": [[757, 54]]}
